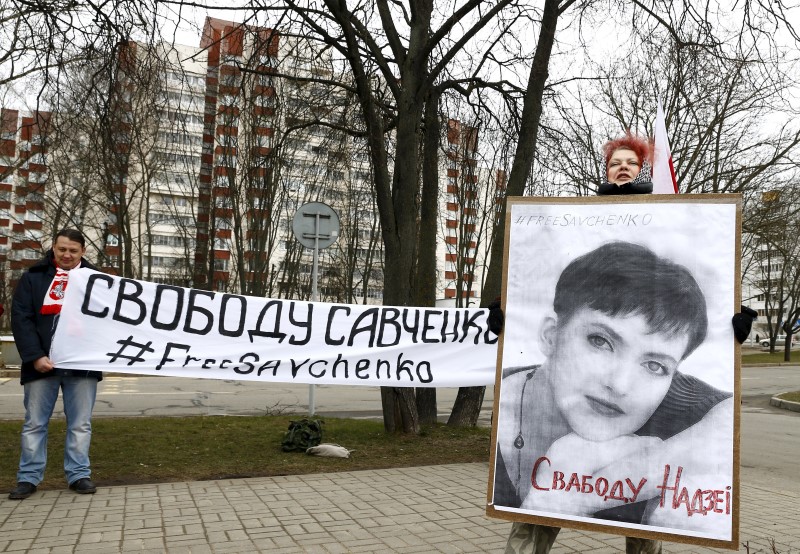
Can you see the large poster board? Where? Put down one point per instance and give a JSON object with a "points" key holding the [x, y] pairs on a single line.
{"points": [[617, 389]]}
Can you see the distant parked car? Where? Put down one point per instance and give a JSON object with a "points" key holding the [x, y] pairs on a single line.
{"points": [[780, 341]]}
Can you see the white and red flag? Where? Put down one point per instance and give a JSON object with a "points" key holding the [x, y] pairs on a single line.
{"points": [[664, 181]]}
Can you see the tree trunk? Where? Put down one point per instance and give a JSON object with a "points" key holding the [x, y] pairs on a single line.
{"points": [[468, 402], [467, 407], [399, 410], [400, 239], [426, 406], [526, 147], [400, 247], [425, 276]]}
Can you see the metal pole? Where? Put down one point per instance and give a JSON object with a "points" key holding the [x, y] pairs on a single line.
{"points": [[314, 296], [311, 400]]}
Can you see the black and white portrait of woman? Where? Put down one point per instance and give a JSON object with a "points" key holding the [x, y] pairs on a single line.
{"points": [[617, 385]]}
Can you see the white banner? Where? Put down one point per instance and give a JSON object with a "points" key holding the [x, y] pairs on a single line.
{"points": [[122, 325]]}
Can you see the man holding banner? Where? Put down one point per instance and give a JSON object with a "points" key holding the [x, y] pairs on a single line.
{"points": [[35, 311]]}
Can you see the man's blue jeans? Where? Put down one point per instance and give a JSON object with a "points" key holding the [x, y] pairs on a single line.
{"points": [[78, 394]]}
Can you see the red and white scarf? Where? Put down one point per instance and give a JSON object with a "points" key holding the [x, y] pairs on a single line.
{"points": [[55, 292]]}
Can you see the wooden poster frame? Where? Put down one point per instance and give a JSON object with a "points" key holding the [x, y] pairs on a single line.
{"points": [[629, 203]]}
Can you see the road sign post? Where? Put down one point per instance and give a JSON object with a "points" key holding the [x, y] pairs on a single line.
{"points": [[316, 226]]}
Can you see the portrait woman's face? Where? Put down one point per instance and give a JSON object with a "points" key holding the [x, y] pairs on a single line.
{"points": [[623, 166], [608, 374]]}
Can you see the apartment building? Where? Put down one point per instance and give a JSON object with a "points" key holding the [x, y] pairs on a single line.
{"points": [[472, 196], [771, 268], [153, 217], [23, 185], [763, 293]]}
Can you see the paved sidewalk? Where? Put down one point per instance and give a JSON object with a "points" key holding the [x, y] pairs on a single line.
{"points": [[418, 509]]}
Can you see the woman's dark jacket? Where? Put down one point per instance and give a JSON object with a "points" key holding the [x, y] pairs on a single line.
{"points": [[634, 187], [33, 331]]}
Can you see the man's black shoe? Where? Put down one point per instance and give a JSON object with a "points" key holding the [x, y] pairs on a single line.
{"points": [[23, 491], [83, 486]]}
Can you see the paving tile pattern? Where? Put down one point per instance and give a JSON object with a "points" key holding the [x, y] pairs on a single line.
{"points": [[408, 510]]}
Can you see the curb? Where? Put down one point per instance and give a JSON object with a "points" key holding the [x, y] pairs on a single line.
{"points": [[775, 401], [779, 402], [775, 364]]}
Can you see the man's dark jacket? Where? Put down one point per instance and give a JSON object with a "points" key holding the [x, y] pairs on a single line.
{"points": [[33, 331]]}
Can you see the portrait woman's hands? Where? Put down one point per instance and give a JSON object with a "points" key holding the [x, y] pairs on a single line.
{"points": [[705, 468], [704, 454], [614, 460]]}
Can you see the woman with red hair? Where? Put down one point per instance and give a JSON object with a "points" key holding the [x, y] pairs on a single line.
{"points": [[628, 166], [628, 161]]}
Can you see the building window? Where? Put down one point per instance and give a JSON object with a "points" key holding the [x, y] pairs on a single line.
{"points": [[34, 216], [264, 141], [265, 100], [228, 100], [229, 59], [37, 177], [179, 201], [229, 140], [171, 219], [167, 240], [220, 265], [266, 59], [228, 80], [294, 185], [164, 261]]}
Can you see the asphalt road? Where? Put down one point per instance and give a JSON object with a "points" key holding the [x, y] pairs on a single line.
{"points": [[130, 396], [770, 437]]}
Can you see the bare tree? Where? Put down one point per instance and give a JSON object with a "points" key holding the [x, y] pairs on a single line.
{"points": [[629, 99], [42, 41], [106, 125], [395, 58], [776, 268]]}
